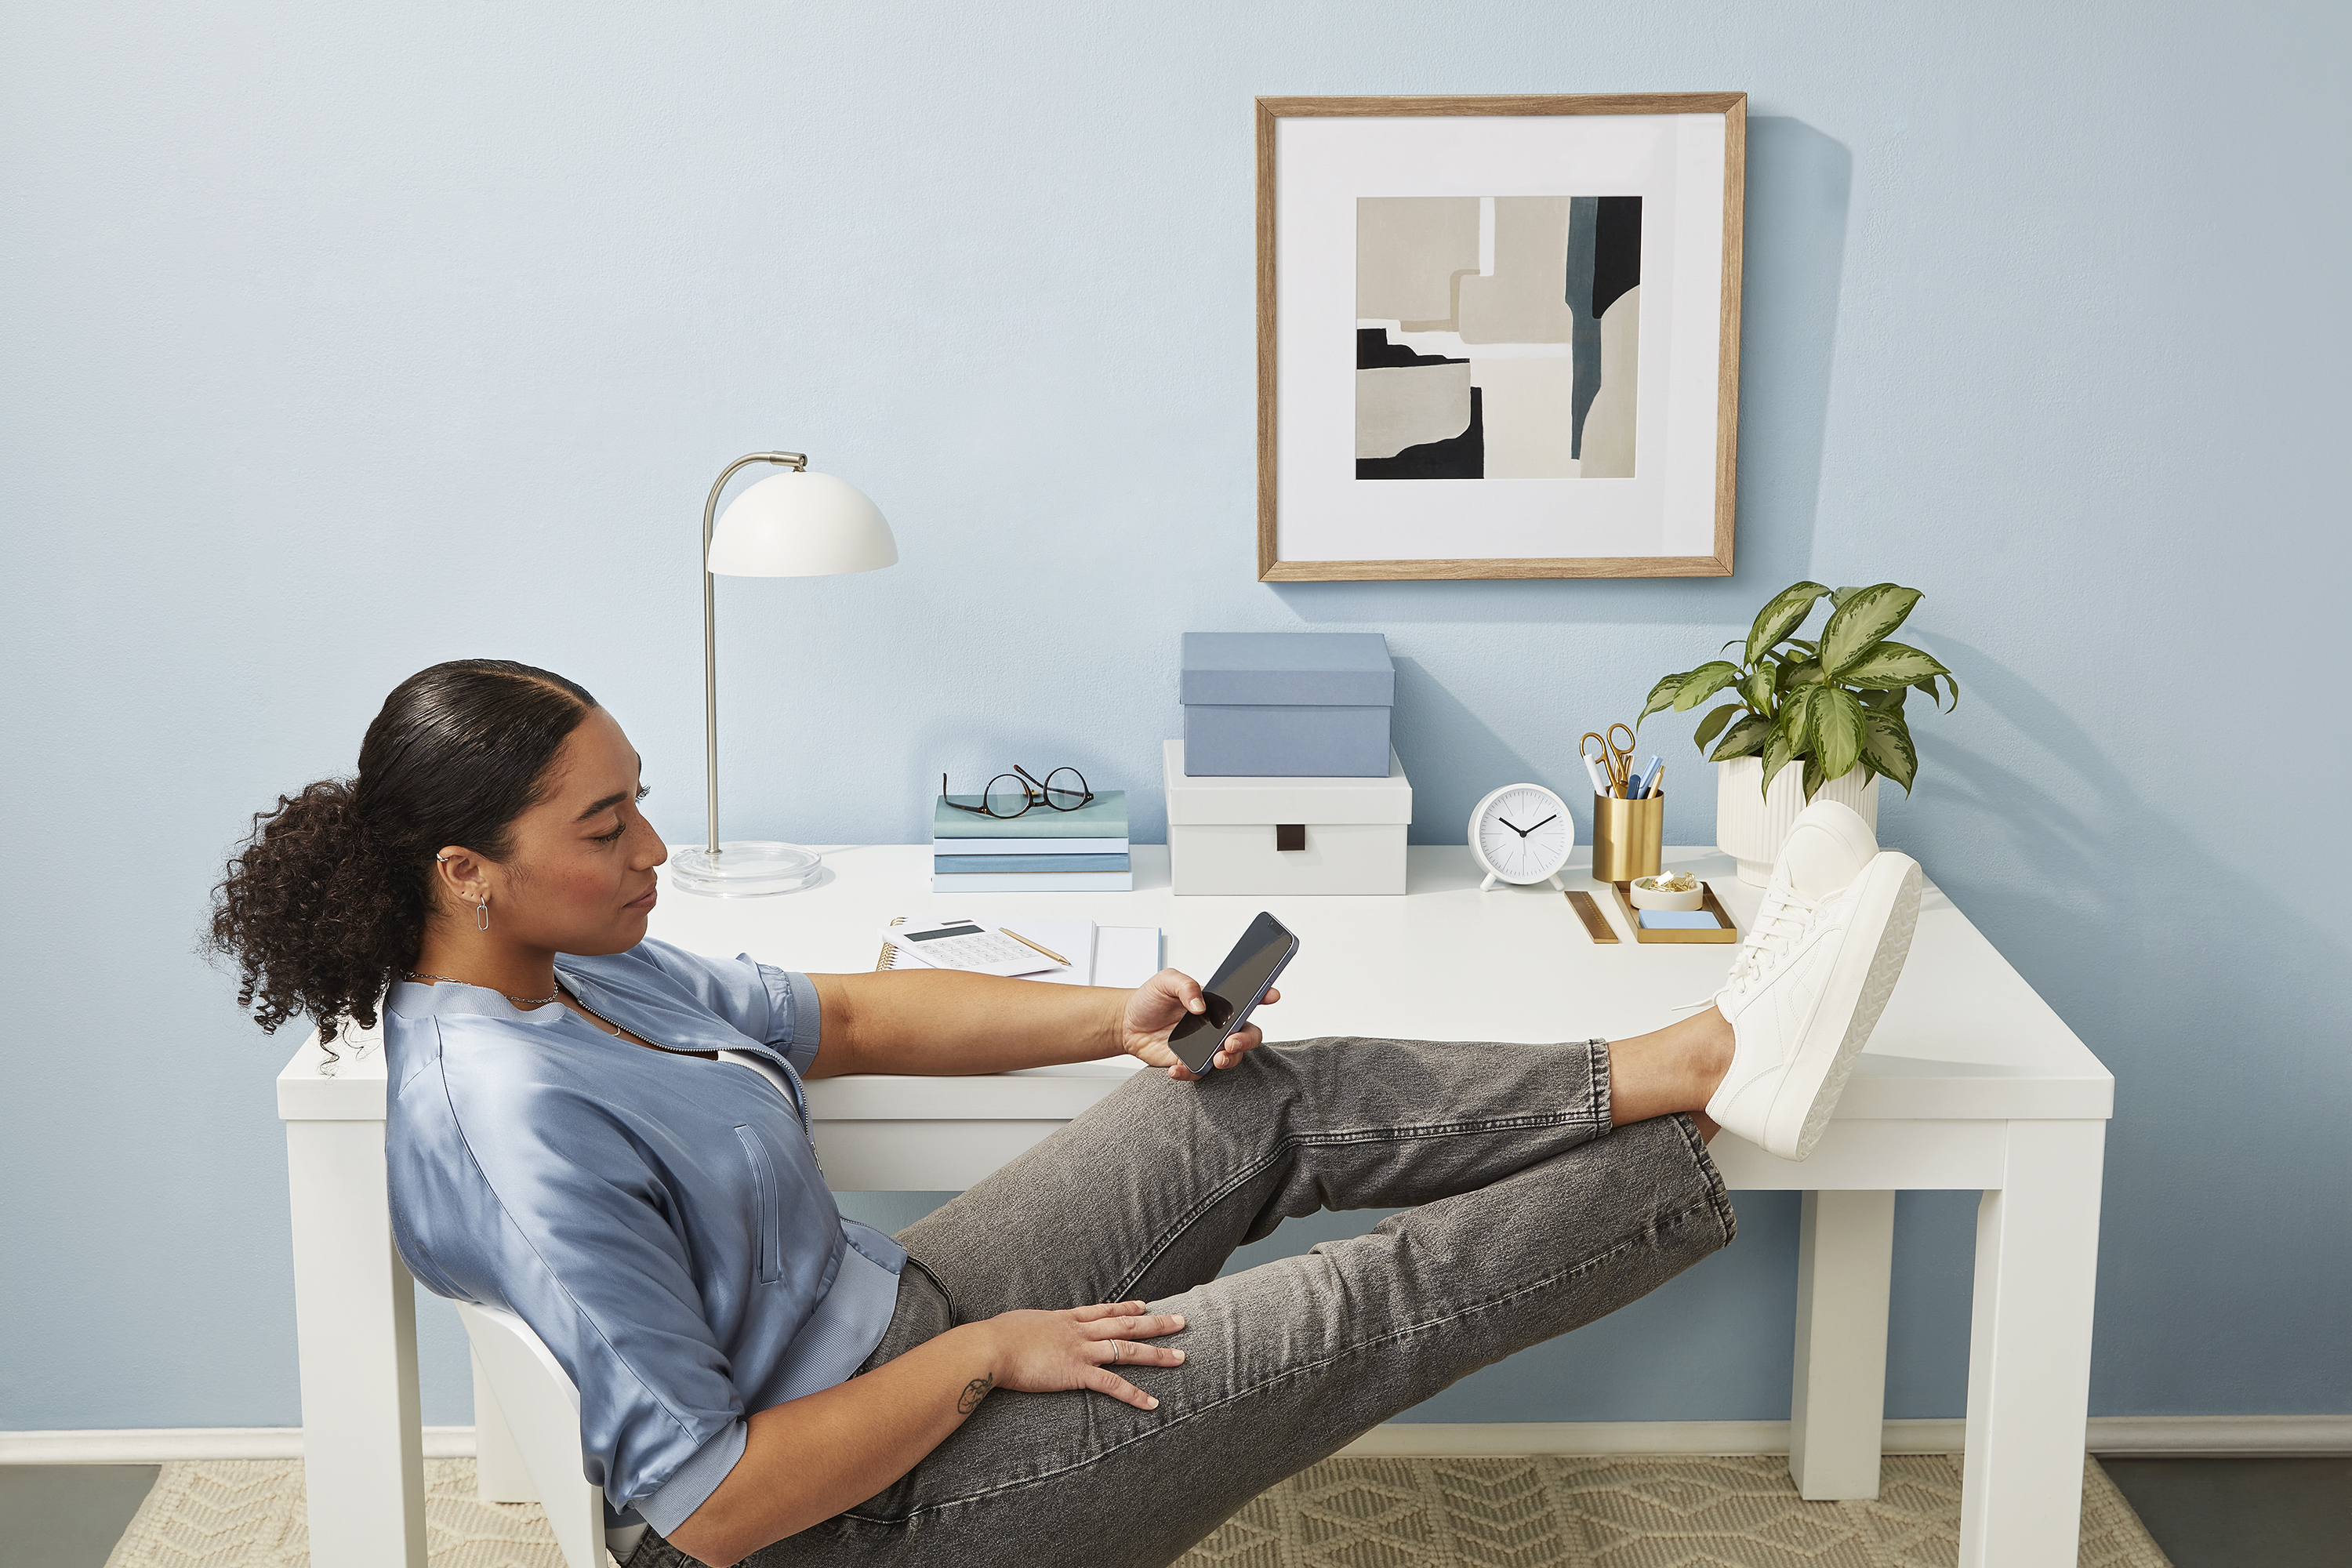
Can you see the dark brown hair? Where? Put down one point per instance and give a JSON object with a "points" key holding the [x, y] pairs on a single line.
{"points": [[329, 895]]}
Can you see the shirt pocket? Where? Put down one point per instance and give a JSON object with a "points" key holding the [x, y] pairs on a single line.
{"points": [[767, 1205]]}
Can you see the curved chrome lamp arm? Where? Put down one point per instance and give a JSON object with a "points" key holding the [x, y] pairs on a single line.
{"points": [[798, 463]]}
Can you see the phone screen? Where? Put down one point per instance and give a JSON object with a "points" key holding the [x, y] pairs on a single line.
{"points": [[1232, 990]]}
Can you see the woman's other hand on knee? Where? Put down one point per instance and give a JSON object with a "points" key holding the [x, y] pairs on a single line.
{"points": [[1083, 1347]]}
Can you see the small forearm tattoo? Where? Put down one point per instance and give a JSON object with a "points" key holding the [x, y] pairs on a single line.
{"points": [[974, 1393]]}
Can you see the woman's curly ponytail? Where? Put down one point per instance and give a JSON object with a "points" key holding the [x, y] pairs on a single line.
{"points": [[329, 896]]}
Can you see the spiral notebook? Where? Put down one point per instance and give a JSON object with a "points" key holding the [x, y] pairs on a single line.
{"points": [[1094, 955]]}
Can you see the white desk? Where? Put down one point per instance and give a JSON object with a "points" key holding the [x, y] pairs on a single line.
{"points": [[1970, 1083]]}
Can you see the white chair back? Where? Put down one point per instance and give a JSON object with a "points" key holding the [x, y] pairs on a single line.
{"points": [[527, 1432]]}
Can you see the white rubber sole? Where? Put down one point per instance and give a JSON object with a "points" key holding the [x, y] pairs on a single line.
{"points": [[1866, 970]]}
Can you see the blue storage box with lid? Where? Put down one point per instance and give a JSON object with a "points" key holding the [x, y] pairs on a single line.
{"points": [[1286, 704]]}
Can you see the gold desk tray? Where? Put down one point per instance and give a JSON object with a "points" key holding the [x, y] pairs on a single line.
{"points": [[1597, 926]]}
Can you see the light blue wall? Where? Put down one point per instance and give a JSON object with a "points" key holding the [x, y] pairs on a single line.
{"points": [[343, 339]]}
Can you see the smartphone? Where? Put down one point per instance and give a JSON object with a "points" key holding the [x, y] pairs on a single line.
{"points": [[1233, 992]]}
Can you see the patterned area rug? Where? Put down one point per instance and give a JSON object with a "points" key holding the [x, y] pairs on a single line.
{"points": [[1535, 1513]]}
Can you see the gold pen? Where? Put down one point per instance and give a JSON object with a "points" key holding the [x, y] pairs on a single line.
{"points": [[1034, 947]]}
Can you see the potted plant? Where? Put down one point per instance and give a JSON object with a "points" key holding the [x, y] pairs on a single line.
{"points": [[1834, 705]]}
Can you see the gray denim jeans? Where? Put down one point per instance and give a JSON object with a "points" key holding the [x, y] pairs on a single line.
{"points": [[1526, 1217]]}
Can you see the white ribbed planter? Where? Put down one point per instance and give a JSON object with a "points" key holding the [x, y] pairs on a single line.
{"points": [[1750, 827]]}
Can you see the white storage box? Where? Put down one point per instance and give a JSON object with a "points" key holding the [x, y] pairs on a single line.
{"points": [[1256, 837]]}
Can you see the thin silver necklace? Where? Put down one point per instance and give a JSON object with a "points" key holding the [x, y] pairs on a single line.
{"points": [[517, 1001]]}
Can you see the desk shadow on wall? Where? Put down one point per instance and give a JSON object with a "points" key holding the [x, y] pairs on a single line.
{"points": [[1800, 187], [2224, 1031]]}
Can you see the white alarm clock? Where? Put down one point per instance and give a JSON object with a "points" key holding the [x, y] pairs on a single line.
{"points": [[1521, 833]]}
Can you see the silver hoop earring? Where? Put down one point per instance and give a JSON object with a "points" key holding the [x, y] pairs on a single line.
{"points": [[482, 915]]}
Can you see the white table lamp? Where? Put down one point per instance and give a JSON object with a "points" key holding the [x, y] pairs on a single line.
{"points": [[794, 524]]}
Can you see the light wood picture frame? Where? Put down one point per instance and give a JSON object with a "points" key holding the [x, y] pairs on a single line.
{"points": [[1545, 297]]}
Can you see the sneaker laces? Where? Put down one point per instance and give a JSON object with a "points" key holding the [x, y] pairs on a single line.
{"points": [[1778, 926]]}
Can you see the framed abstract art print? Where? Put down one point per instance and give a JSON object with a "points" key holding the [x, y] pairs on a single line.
{"points": [[1498, 337]]}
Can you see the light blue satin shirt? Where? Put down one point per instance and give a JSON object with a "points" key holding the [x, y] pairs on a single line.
{"points": [[658, 1220]]}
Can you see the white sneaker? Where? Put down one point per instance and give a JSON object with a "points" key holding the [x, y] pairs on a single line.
{"points": [[1802, 1009], [1826, 850]]}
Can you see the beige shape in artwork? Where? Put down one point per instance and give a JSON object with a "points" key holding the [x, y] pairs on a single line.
{"points": [[1527, 408], [1525, 299], [1407, 405], [1408, 250], [1608, 423]]}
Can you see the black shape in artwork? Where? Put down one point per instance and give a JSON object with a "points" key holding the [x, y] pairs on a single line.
{"points": [[1604, 264], [1375, 352], [1616, 250], [1584, 327], [1462, 457]]}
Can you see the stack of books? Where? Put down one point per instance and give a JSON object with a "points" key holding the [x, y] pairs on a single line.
{"points": [[1040, 851]]}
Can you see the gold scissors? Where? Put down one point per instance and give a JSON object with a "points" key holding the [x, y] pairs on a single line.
{"points": [[1617, 760]]}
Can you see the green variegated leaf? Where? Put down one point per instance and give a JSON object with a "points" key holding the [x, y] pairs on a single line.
{"points": [[1887, 746], [1796, 722], [1703, 683], [1863, 616], [1839, 595], [1784, 614], [1760, 688], [1885, 695], [1954, 682], [1838, 723], [1891, 664], [1803, 672], [1662, 695], [1712, 725], [1814, 777], [1776, 756], [1744, 739]]}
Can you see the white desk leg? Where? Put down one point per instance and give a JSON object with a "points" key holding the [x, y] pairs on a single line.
{"points": [[1845, 1256], [2030, 1350], [355, 1323], [500, 1472]]}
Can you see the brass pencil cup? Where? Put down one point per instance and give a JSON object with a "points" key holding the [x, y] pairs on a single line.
{"points": [[1626, 836]]}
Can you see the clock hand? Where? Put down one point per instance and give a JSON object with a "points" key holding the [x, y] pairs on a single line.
{"points": [[1512, 826], [1539, 825]]}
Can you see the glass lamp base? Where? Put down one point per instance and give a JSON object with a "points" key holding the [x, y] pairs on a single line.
{"points": [[745, 870]]}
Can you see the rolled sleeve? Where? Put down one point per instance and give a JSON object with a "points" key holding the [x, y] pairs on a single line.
{"points": [[690, 1485], [777, 1007], [794, 1015]]}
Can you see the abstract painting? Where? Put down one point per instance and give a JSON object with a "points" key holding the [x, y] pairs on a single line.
{"points": [[1497, 337], [1528, 305]]}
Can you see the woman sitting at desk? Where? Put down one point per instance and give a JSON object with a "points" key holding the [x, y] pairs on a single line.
{"points": [[607, 1135]]}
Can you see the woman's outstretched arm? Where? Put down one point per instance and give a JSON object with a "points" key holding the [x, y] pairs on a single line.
{"points": [[939, 1021]]}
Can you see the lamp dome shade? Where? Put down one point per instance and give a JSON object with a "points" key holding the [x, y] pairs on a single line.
{"points": [[796, 524]]}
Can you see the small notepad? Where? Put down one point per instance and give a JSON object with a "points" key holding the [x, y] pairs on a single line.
{"points": [[1678, 919], [1123, 956]]}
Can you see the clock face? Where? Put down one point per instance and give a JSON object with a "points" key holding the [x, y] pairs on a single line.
{"points": [[1523, 833]]}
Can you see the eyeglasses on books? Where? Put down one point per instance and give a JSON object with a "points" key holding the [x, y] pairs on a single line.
{"points": [[1064, 789]]}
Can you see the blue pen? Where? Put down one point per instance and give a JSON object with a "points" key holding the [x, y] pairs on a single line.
{"points": [[1648, 773]]}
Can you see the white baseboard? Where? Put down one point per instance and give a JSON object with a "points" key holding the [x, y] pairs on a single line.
{"points": [[155, 1445], [2180, 1437], [2177, 1437]]}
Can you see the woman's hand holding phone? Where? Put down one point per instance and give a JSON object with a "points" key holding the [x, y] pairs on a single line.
{"points": [[1162, 1002]]}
